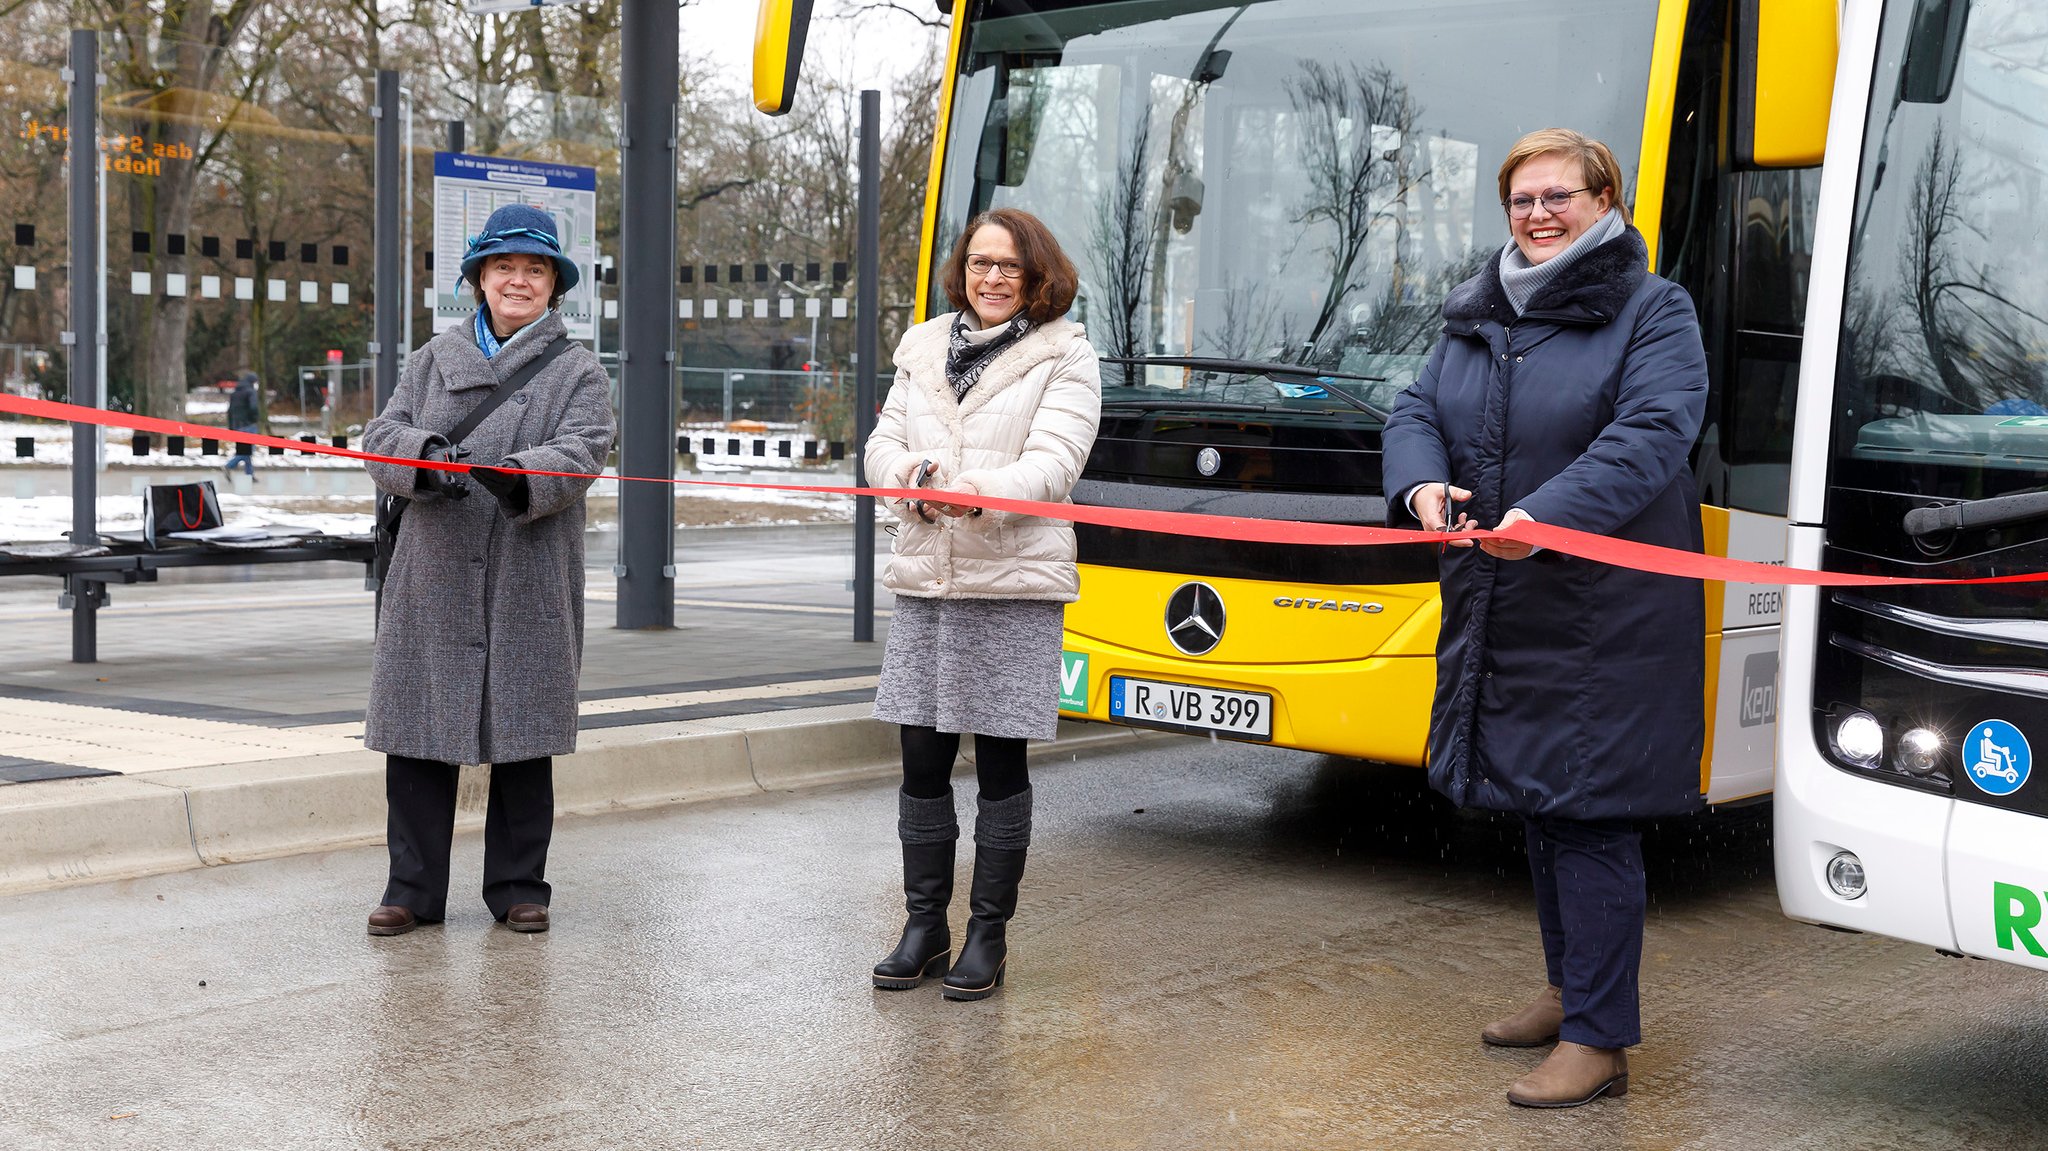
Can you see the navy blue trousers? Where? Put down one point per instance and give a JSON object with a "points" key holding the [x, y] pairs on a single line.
{"points": [[1589, 902]]}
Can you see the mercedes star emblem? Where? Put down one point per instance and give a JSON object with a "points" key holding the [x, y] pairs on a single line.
{"points": [[1194, 618], [1208, 461]]}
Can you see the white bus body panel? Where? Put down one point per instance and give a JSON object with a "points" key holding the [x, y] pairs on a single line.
{"points": [[1746, 698], [1898, 833], [1991, 846], [1745, 716], [1833, 217]]}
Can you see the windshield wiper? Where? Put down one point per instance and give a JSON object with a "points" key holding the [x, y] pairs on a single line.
{"points": [[1185, 405], [1985, 513], [1272, 370]]}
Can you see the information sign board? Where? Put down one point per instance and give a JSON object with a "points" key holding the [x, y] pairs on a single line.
{"points": [[467, 189]]}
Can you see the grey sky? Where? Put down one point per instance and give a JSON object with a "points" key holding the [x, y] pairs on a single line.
{"points": [[869, 50]]}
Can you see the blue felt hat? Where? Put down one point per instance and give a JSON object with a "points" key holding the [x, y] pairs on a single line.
{"points": [[520, 228]]}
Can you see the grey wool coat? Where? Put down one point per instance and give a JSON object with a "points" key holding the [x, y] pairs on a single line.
{"points": [[480, 640]]}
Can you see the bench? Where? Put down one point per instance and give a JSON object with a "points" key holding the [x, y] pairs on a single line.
{"points": [[125, 558]]}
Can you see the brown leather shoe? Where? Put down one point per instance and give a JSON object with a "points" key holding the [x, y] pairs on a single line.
{"points": [[1532, 1026], [527, 917], [1572, 1074], [392, 920]]}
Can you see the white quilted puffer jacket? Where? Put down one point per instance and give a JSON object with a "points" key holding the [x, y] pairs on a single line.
{"points": [[1022, 432]]}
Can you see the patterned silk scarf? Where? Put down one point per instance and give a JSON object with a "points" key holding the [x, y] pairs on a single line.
{"points": [[965, 358], [487, 341]]}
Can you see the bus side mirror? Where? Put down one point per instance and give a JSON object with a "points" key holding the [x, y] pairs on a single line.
{"points": [[1009, 132], [779, 30], [1784, 80], [1932, 54]]}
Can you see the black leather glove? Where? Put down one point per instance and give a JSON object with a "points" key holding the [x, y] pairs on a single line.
{"points": [[448, 484], [510, 488]]}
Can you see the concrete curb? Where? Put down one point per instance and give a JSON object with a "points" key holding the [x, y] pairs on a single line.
{"points": [[64, 832]]}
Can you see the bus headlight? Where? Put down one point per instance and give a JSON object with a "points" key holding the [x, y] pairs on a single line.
{"points": [[1920, 750], [1845, 875], [1859, 738]]}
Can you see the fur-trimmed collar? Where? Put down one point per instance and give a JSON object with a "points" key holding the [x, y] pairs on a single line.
{"points": [[1591, 291], [922, 353]]}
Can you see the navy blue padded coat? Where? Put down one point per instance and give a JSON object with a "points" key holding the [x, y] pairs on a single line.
{"points": [[1565, 688]]}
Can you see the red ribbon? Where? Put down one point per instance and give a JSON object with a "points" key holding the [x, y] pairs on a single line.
{"points": [[1584, 545]]}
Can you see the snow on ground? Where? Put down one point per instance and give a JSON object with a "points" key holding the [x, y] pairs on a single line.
{"points": [[53, 447], [287, 505], [285, 512], [49, 517], [53, 444]]}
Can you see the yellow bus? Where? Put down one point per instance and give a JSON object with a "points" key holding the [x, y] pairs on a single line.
{"points": [[1267, 202]]}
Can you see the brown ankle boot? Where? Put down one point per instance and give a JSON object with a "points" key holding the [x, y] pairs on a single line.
{"points": [[1572, 1074], [1532, 1026]]}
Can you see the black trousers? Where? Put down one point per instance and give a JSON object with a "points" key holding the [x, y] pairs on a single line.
{"points": [[1590, 900], [518, 824]]}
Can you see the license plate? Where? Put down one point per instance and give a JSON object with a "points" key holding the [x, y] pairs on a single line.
{"points": [[1186, 707]]}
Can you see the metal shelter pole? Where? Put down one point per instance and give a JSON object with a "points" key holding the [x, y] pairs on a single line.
{"points": [[867, 336], [83, 381], [389, 272], [650, 76]]}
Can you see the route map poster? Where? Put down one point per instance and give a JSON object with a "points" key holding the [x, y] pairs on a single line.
{"points": [[467, 189]]}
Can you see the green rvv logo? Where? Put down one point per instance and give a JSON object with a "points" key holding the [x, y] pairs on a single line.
{"points": [[1074, 681], [2015, 913]]}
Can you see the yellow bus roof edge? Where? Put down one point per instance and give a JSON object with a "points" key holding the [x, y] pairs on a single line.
{"points": [[1659, 106], [931, 185]]}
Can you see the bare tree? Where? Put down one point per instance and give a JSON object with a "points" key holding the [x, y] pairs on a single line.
{"points": [[1119, 241], [927, 14], [181, 83], [1354, 184], [1969, 327]]}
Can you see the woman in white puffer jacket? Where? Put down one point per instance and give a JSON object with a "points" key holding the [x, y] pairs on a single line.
{"points": [[999, 398]]}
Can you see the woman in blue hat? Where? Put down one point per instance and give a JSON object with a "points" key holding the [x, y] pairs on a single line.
{"points": [[480, 629]]}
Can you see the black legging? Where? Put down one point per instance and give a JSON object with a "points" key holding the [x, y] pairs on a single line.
{"points": [[928, 756]]}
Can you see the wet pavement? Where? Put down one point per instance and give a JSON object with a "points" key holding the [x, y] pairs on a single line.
{"points": [[1218, 946]]}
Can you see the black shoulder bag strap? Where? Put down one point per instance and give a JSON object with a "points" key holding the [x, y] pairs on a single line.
{"points": [[505, 391], [391, 509]]}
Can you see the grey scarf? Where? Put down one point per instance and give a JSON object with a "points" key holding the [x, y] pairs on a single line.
{"points": [[966, 358], [1521, 280]]}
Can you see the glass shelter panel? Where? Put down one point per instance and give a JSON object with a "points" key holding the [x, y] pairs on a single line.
{"points": [[239, 208], [35, 276]]}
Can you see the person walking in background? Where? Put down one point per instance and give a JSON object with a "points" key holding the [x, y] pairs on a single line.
{"points": [[480, 638], [1567, 389], [244, 415], [999, 398]]}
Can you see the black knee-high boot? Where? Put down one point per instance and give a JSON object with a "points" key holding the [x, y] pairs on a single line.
{"points": [[1002, 833], [928, 829]]}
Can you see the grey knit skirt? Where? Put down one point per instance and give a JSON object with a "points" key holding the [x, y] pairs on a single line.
{"points": [[987, 666]]}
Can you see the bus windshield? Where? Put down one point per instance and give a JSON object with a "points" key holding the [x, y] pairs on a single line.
{"points": [[1285, 182], [1943, 376]]}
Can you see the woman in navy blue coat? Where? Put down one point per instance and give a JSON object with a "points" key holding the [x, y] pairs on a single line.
{"points": [[1567, 388]]}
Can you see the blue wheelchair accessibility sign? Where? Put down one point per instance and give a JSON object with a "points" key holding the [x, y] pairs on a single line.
{"points": [[1996, 757]]}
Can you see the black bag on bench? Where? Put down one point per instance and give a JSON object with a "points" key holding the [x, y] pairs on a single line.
{"points": [[168, 508]]}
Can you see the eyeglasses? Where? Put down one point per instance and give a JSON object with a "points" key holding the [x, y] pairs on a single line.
{"points": [[481, 239], [980, 266], [1555, 200]]}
